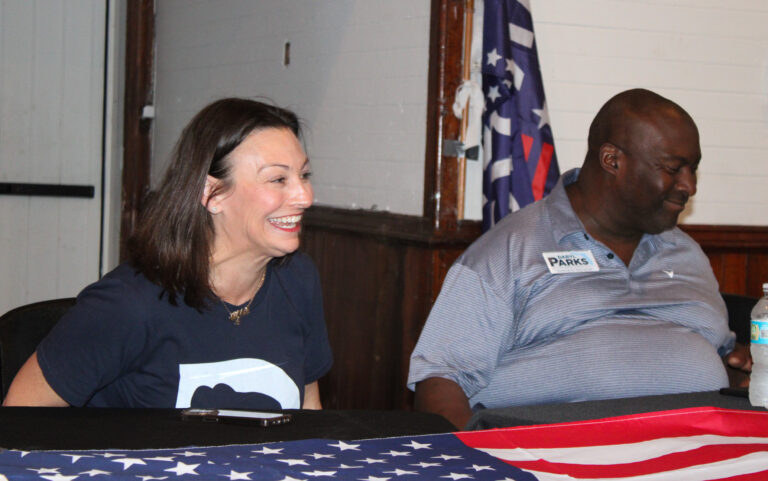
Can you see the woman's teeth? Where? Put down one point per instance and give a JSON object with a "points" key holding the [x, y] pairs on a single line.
{"points": [[287, 222]]}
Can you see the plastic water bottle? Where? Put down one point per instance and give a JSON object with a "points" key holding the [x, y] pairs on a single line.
{"points": [[758, 382]]}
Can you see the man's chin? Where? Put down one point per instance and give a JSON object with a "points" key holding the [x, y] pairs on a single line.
{"points": [[663, 225]]}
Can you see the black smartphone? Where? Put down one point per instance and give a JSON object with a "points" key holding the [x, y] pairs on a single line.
{"points": [[259, 418]]}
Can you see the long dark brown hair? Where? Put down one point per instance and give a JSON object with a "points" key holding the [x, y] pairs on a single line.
{"points": [[172, 243]]}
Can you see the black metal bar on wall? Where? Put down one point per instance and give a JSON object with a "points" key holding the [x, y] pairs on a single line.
{"points": [[47, 190]]}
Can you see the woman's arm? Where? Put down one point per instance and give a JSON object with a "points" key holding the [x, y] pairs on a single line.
{"points": [[312, 397], [29, 388]]}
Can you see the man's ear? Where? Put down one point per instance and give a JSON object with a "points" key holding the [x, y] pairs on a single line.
{"points": [[609, 157], [210, 202]]}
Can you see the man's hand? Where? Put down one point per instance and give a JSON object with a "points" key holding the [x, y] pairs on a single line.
{"points": [[444, 397], [740, 360]]}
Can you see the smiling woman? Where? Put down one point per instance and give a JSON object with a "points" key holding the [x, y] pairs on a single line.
{"points": [[262, 211], [215, 309]]}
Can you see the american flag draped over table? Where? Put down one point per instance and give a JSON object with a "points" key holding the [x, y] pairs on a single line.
{"points": [[682, 445], [519, 162]]}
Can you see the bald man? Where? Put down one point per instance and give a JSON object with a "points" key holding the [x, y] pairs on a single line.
{"points": [[591, 293]]}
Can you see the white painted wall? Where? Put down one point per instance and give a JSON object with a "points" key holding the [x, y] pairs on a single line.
{"points": [[51, 104], [358, 77]]}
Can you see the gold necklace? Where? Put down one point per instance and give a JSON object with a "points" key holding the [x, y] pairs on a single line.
{"points": [[235, 315]]}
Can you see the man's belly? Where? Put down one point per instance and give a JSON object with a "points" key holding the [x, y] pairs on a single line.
{"points": [[604, 362]]}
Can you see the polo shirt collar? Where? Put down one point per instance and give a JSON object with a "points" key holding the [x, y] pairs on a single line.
{"points": [[563, 219], [565, 222]]}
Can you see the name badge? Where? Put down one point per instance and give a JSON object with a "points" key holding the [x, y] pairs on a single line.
{"points": [[570, 262]]}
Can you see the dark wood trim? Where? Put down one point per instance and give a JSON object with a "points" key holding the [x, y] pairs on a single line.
{"points": [[385, 225], [139, 91], [738, 255], [729, 237], [446, 40]]}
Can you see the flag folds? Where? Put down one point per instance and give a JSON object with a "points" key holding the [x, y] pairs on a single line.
{"points": [[689, 444], [683, 445], [519, 161]]}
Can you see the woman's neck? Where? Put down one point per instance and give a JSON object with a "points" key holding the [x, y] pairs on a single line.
{"points": [[237, 278]]}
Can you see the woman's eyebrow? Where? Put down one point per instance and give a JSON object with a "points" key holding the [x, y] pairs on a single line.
{"points": [[283, 166]]}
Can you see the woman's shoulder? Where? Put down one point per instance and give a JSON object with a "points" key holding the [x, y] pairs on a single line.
{"points": [[120, 293], [112, 311], [123, 280]]}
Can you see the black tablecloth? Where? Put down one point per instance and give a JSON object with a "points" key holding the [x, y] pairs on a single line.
{"points": [[94, 428], [579, 411]]}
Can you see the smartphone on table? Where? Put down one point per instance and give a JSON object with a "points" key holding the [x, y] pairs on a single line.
{"points": [[260, 418]]}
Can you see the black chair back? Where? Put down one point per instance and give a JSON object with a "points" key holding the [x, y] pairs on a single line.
{"points": [[739, 314], [21, 330]]}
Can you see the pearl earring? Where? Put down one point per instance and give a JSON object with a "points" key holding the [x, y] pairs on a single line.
{"points": [[214, 210]]}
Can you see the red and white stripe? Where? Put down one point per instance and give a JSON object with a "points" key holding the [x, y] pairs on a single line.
{"points": [[683, 445]]}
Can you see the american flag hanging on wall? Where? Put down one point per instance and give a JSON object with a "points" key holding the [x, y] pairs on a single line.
{"points": [[519, 162]]}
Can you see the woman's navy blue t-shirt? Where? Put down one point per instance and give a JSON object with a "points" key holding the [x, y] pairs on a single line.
{"points": [[124, 345]]}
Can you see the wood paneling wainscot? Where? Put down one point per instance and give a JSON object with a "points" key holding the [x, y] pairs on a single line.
{"points": [[380, 275], [382, 272], [738, 254]]}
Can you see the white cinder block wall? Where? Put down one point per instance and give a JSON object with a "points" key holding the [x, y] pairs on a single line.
{"points": [[358, 77], [710, 56]]}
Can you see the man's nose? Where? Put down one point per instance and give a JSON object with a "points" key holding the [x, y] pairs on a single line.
{"points": [[686, 181]]}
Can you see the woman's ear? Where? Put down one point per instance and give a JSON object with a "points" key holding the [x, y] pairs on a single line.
{"points": [[210, 202]]}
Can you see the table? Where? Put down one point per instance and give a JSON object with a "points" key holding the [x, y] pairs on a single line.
{"points": [[215, 451], [103, 428], [580, 411]]}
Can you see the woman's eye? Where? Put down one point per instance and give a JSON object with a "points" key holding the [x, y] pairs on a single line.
{"points": [[278, 180], [306, 175]]}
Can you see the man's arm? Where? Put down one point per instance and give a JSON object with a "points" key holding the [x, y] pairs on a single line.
{"points": [[29, 388], [468, 330], [444, 397], [738, 365]]}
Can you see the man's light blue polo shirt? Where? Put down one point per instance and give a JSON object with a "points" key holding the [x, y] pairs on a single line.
{"points": [[510, 332]]}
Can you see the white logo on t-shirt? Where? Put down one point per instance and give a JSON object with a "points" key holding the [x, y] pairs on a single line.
{"points": [[243, 376]]}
